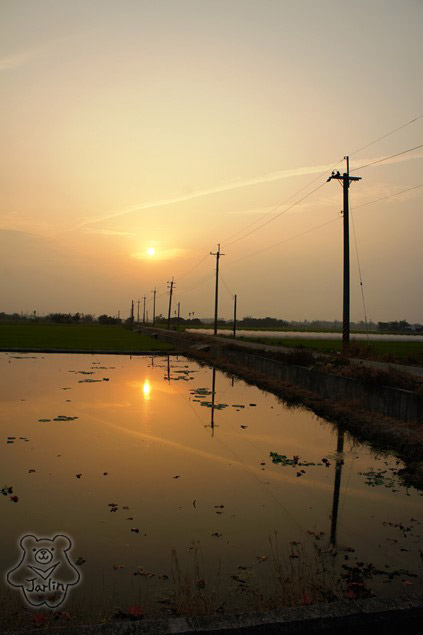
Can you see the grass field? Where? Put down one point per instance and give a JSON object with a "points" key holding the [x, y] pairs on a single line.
{"points": [[401, 352], [77, 337]]}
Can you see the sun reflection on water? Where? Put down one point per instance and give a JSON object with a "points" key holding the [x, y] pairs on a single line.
{"points": [[146, 389]]}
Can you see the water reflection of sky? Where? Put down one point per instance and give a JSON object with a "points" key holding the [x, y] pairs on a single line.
{"points": [[315, 336], [183, 452]]}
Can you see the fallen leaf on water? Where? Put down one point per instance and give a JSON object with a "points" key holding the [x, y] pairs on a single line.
{"points": [[14, 499], [80, 561], [216, 534], [39, 619], [135, 530], [116, 567], [78, 475], [177, 476], [31, 471], [135, 612], [193, 502]]}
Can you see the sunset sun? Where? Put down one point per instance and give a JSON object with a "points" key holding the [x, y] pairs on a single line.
{"points": [[151, 251]]}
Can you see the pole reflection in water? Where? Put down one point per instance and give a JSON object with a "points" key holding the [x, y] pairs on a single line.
{"points": [[213, 391], [337, 487]]}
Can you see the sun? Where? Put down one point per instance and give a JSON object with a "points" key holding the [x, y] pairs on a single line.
{"points": [[151, 251]]}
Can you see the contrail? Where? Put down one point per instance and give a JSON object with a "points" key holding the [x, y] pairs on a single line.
{"points": [[232, 185]]}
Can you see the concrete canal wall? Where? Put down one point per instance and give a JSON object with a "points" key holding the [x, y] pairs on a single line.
{"points": [[388, 401]]}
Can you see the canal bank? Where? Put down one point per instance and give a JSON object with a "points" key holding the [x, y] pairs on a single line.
{"points": [[373, 616], [388, 417]]}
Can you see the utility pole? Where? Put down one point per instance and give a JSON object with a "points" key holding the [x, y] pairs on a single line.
{"points": [[235, 315], [216, 297], [138, 311], [179, 313], [154, 305], [346, 180], [132, 313], [171, 283], [143, 313]]}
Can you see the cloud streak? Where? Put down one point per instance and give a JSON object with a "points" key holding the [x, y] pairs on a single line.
{"points": [[238, 184]]}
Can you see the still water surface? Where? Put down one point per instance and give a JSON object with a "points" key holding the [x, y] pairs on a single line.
{"points": [[145, 450], [374, 337]]}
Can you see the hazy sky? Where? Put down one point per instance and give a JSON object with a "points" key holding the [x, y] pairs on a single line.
{"points": [[175, 124]]}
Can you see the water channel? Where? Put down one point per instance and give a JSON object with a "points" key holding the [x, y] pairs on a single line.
{"points": [[153, 463]]}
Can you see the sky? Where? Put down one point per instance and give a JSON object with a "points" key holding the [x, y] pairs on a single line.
{"points": [[137, 135]]}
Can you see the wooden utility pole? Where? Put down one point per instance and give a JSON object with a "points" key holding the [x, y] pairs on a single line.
{"points": [[235, 315], [132, 313], [138, 311], [171, 283], [346, 180], [154, 305], [216, 296], [179, 313], [143, 312]]}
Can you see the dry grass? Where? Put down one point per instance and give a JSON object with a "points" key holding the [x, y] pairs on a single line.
{"points": [[287, 578], [193, 595]]}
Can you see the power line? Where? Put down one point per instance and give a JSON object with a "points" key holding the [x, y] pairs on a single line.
{"points": [[388, 196], [360, 276], [282, 203], [282, 241], [385, 135], [226, 286], [277, 215], [318, 226], [194, 267], [198, 284], [319, 176], [386, 158]]}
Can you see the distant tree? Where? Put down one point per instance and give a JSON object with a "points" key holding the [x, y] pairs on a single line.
{"points": [[108, 319], [60, 318]]}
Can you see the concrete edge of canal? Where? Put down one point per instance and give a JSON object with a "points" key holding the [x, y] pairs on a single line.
{"points": [[367, 616], [386, 400]]}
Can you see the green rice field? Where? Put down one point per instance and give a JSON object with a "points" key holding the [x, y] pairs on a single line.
{"points": [[85, 337]]}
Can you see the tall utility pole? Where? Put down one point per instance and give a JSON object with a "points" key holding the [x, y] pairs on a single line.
{"points": [[235, 315], [143, 312], [138, 311], [216, 297], [346, 180], [179, 313], [154, 305], [170, 286], [132, 313]]}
